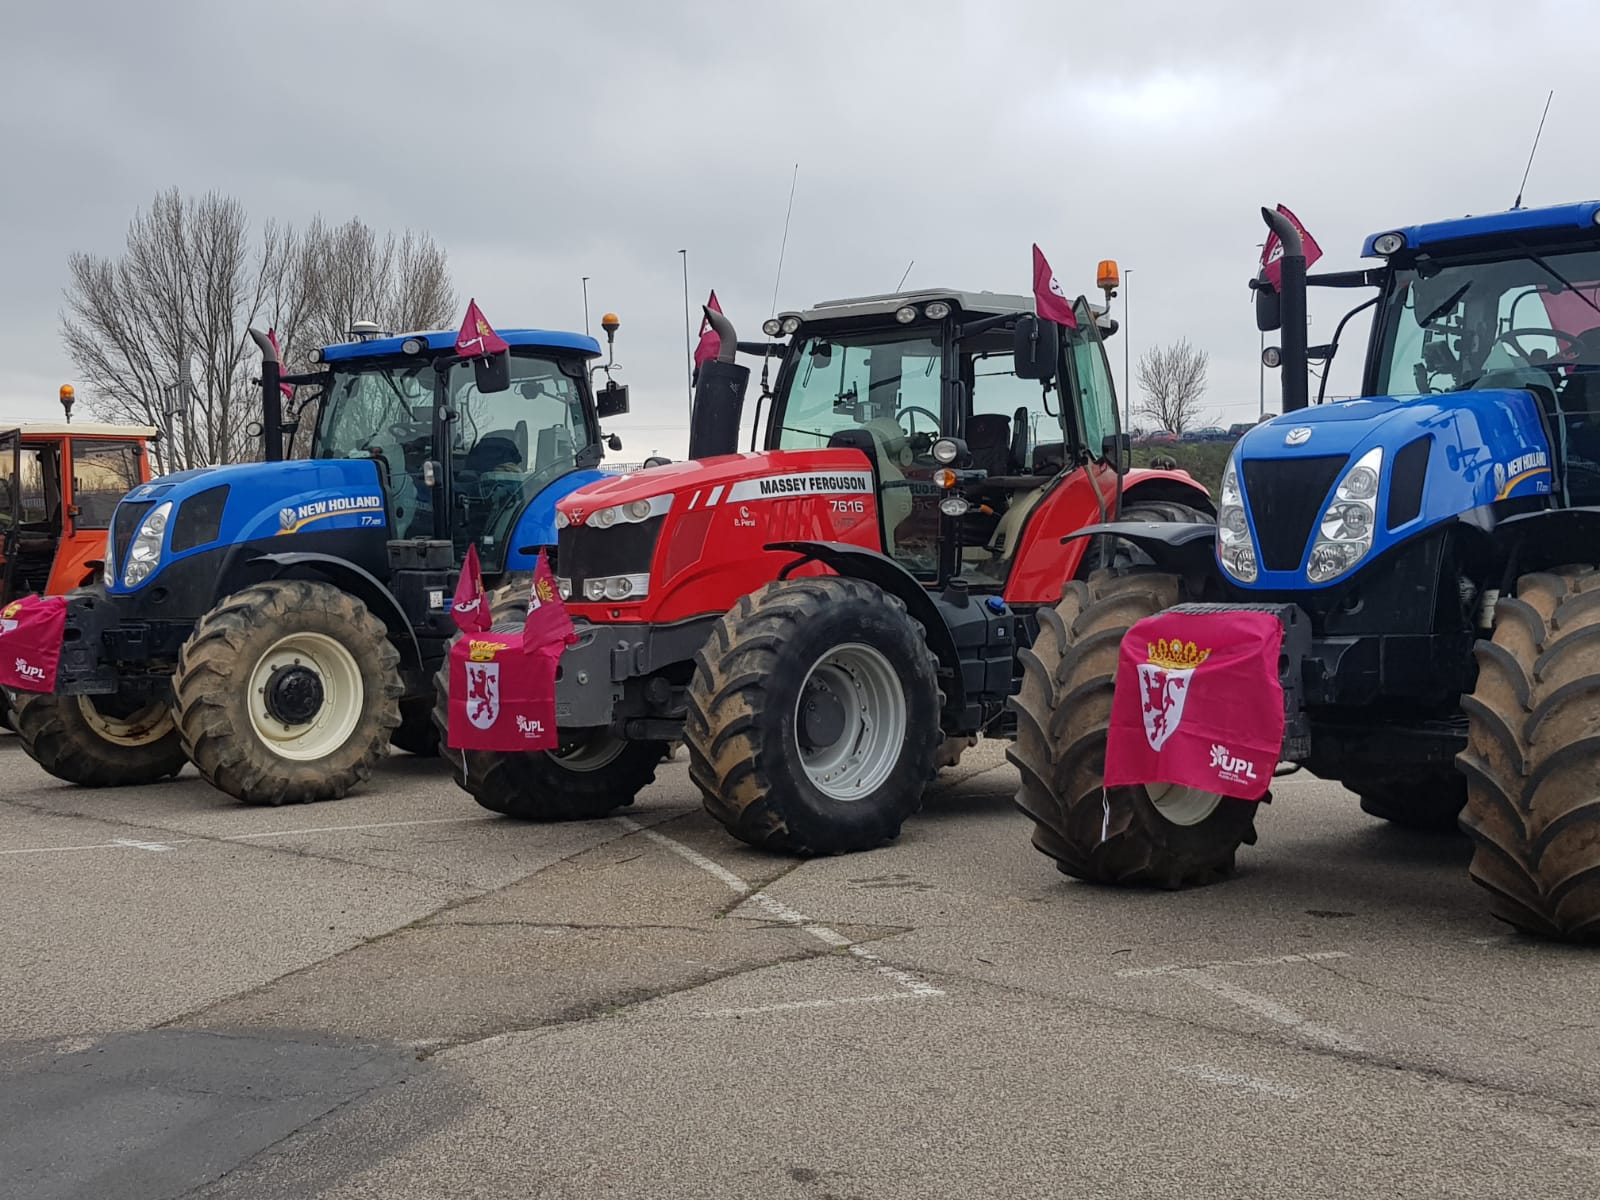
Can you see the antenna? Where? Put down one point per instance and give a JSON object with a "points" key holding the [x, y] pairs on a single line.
{"points": [[784, 245], [1535, 149], [906, 276]]}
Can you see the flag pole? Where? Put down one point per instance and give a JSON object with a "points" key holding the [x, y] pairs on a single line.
{"points": [[585, 306], [688, 349]]}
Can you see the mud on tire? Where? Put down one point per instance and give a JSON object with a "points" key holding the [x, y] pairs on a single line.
{"points": [[1104, 835], [273, 626], [1532, 760], [98, 741], [591, 773], [766, 657]]}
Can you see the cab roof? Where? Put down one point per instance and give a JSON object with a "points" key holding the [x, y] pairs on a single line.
{"points": [[84, 429], [444, 339], [1584, 215], [885, 303]]}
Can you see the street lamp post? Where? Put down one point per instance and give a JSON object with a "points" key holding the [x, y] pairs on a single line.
{"points": [[586, 306]]}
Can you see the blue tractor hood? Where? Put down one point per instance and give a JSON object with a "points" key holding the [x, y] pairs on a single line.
{"points": [[1443, 455]]}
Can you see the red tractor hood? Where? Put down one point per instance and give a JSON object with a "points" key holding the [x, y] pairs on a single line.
{"points": [[711, 475]]}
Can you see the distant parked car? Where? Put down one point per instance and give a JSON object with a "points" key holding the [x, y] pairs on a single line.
{"points": [[1239, 428], [1211, 433], [1158, 437]]}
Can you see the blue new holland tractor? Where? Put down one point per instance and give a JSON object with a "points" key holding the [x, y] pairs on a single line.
{"points": [[1431, 549], [278, 623]]}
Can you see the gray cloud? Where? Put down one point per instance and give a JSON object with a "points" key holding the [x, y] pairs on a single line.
{"points": [[540, 143]]}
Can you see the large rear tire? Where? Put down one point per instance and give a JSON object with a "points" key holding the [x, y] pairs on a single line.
{"points": [[98, 741], [590, 774], [1153, 834], [287, 692], [1532, 760], [814, 717]]}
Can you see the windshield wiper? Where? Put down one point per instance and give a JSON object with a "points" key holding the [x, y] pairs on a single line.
{"points": [[1455, 298], [1539, 262]]}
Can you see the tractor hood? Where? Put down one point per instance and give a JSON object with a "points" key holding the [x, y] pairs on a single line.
{"points": [[709, 481], [1441, 456]]}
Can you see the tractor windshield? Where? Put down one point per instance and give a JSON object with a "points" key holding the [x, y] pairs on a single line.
{"points": [[506, 447], [1531, 321], [383, 409], [889, 383]]}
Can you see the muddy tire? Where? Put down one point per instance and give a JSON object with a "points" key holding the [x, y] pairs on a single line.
{"points": [[1430, 804], [588, 776], [813, 717], [1152, 835], [417, 734], [287, 692], [98, 741], [1532, 760]]}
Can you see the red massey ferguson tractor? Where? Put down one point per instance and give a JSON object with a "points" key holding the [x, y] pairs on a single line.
{"points": [[826, 621]]}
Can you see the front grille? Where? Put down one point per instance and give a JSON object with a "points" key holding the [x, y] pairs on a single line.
{"points": [[124, 524], [626, 548], [1286, 498]]}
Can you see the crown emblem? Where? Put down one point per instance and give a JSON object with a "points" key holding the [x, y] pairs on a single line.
{"points": [[1175, 655], [484, 651]]}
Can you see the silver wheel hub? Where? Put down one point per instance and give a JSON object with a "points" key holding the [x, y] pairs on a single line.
{"points": [[306, 696], [850, 721], [1182, 805]]}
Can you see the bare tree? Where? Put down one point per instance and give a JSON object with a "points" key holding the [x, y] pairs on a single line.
{"points": [[159, 333], [1173, 379]]}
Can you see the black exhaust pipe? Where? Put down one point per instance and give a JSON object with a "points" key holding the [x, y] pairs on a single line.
{"points": [[271, 398], [719, 389], [1292, 308]]}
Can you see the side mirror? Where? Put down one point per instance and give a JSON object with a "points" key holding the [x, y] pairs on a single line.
{"points": [[1269, 314], [493, 372], [613, 442], [612, 400], [1117, 448], [1035, 347]]}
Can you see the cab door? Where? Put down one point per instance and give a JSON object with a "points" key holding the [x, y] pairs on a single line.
{"points": [[1090, 490]]}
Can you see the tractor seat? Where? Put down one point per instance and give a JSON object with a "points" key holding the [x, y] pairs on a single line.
{"points": [[989, 441]]}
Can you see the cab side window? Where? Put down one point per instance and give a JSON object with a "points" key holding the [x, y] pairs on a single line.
{"points": [[102, 473], [1093, 379]]}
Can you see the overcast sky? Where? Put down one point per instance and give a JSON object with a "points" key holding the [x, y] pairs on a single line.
{"points": [[542, 142]]}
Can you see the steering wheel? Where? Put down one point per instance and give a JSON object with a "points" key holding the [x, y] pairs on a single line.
{"points": [[404, 431], [910, 426], [1567, 353]]}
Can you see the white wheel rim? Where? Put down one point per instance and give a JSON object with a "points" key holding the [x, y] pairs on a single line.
{"points": [[866, 687], [139, 728], [342, 697], [1182, 805], [589, 752]]}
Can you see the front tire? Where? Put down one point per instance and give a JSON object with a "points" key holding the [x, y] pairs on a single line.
{"points": [[1153, 834], [814, 717], [98, 741], [588, 775], [1532, 760], [287, 692]]}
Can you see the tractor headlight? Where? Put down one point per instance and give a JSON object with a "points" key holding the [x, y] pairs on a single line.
{"points": [[562, 520], [790, 324], [108, 569], [906, 314], [630, 513], [1389, 243], [937, 311], [563, 587], [616, 587], [1344, 535], [772, 327], [1235, 549], [945, 451], [144, 556]]}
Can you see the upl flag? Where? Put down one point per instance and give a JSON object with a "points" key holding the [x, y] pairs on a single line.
{"points": [[477, 336], [1048, 298], [710, 344], [1272, 251]]}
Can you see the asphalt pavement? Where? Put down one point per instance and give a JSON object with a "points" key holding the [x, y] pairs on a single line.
{"points": [[400, 995]]}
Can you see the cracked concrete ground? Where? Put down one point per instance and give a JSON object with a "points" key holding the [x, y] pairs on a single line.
{"points": [[400, 995]]}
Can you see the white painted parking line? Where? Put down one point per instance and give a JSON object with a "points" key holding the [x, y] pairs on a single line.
{"points": [[1268, 1009], [1273, 961], [796, 1005], [254, 835], [1243, 1083], [776, 908]]}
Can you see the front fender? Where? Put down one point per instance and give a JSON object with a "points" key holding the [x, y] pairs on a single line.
{"points": [[359, 582], [1181, 548], [1535, 541], [861, 562]]}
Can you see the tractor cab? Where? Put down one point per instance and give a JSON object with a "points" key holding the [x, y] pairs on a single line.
{"points": [[59, 485], [966, 438], [463, 458]]}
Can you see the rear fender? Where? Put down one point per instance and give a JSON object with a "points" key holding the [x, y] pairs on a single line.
{"points": [[860, 562], [1536, 541], [1143, 483], [360, 583]]}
